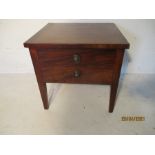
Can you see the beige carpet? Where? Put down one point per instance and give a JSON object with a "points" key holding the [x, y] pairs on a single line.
{"points": [[76, 109]]}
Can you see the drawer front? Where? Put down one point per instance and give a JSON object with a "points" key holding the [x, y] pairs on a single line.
{"points": [[75, 57], [77, 75], [77, 66]]}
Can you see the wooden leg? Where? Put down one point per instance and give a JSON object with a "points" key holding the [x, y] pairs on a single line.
{"points": [[113, 93], [41, 83], [115, 80], [43, 92]]}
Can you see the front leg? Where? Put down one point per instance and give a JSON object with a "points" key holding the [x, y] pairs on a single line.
{"points": [[115, 78], [43, 92], [41, 83], [113, 93]]}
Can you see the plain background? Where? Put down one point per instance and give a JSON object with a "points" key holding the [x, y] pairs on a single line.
{"points": [[14, 58]]}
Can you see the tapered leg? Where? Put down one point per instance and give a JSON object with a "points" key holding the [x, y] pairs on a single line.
{"points": [[115, 78], [43, 92], [113, 93], [41, 83]]}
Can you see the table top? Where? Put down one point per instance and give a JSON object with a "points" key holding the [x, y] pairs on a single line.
{"points": [[81, 35]]}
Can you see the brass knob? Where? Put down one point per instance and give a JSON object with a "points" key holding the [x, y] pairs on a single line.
{"points": [[76, 58], [76, 73]]}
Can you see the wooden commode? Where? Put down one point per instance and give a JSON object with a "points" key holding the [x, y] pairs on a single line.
{"points": [[80, 53]]}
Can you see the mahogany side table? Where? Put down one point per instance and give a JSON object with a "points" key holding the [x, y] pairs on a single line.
{"points": [[80, 53]]}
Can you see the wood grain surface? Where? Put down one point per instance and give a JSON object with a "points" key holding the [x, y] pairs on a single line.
{"points": [[78, 35], [79, 53]]}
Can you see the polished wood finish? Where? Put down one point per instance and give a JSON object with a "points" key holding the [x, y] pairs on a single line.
{"points": [[78, 35], [41, 83], [64, 57], [88, 75], [58, 65], [87, 53], [115, 78]]}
